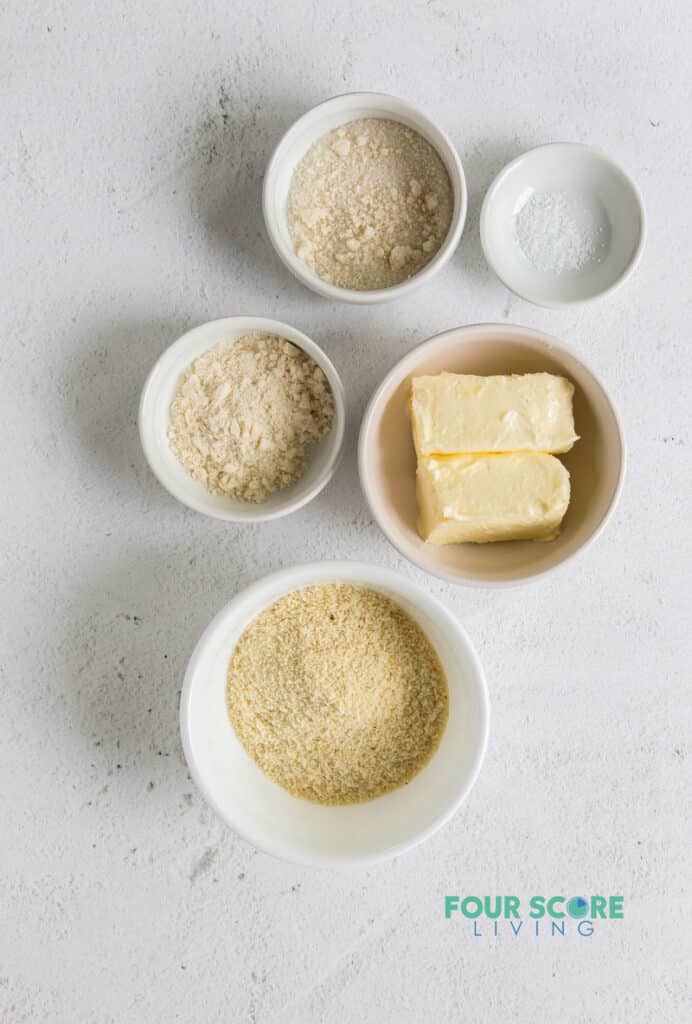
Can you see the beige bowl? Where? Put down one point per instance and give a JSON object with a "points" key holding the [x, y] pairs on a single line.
{"points": [[387, 461]]}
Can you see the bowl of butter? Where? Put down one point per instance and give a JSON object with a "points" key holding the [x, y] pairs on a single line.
{"points": [[490, 455]]}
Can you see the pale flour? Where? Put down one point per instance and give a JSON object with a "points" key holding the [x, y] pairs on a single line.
{"points": [[244, 414], [370, 204]]}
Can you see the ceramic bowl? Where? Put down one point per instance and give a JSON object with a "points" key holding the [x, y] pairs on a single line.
{"points": [[297, 141], [297, 830], [154, 421], [387, 461], [604, 208]]}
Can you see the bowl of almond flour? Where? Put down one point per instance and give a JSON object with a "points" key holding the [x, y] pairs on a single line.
{"points": [[364, 198], [334, 713], [243, 419]]}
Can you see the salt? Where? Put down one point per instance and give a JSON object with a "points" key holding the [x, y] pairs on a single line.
{"points": [[560, 233]]}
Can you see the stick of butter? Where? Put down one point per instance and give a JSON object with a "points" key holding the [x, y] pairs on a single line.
{"points": [[453, 413], [482, 498]]}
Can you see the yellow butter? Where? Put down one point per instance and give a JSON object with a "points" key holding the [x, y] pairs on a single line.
{"points": [[482, 498], [454, 413]]}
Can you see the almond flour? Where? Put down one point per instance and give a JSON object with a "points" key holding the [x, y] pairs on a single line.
{"points": [[245, 413], [337, 694], [369, 205]]}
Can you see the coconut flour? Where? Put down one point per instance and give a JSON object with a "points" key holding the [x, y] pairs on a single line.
{"points": [[370, 204]]}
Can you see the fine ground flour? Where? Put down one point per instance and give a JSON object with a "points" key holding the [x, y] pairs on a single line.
{"points": [[369, 205], [337, 694], [244, 414]]}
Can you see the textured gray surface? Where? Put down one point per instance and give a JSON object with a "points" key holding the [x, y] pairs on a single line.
{"points": [[135, 137]]}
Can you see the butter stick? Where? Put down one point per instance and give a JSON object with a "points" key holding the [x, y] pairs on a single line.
{"points": [[455, 413], [483, 498]]}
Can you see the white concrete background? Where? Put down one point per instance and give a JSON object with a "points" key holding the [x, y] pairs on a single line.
{"points": [[134, 140]]}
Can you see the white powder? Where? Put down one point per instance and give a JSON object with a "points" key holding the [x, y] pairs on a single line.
{"points": [[244, 414], [370, 204], [559, 233]]}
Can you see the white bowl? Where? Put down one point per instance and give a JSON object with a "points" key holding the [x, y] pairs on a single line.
{"points": [[298, 140], [154, 421], [607, 197], [298, 830], [387, 459]]}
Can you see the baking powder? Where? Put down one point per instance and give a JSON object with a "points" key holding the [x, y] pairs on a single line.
{"points": [[559, 232]]}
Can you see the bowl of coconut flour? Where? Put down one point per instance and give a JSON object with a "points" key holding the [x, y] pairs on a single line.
{"points": [[563, 224], [364, 198]]}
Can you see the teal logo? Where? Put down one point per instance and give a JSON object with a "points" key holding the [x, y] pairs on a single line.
{"points": [[538, 915], [577, 907]]}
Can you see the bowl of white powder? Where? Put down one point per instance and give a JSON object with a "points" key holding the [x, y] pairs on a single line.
{"points": [[364, 198], [562, 224], [243, 419]]}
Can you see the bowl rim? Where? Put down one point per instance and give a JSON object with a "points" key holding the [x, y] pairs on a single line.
{"points": [[366, 425], [441, 257], [270, 326], [400, 585], [630, 267]]}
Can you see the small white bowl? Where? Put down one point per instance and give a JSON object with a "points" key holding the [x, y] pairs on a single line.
{"points": [[298, 830], [607, 196], [154, 422], [297, 141]]}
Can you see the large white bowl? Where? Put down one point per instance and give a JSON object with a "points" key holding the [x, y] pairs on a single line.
{"points": [[604, 190], [154, 421], [387, 459], [297, 141], [297, 830]]}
